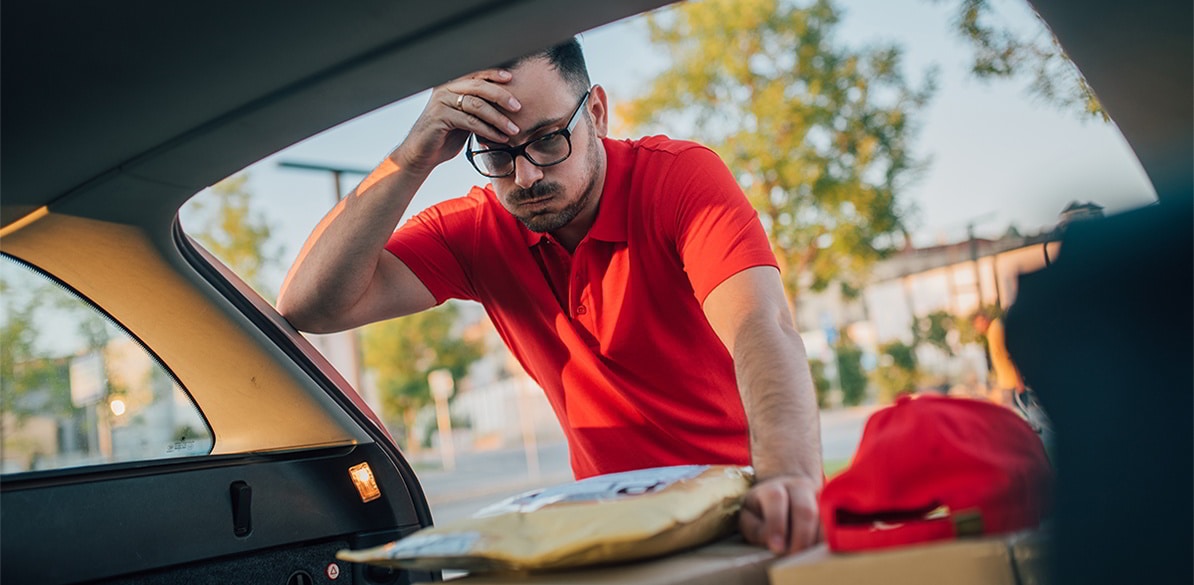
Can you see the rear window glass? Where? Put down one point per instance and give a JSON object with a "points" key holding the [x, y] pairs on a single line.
{"points": [[77, 390]]}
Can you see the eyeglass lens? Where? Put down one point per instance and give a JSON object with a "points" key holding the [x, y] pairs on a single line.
{"points": [[548, 150]]}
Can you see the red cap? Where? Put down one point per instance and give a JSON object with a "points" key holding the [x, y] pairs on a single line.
{"points": [[933, 468]]}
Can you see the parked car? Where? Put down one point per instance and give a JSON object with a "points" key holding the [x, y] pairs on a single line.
{"points": [[249, 459]]}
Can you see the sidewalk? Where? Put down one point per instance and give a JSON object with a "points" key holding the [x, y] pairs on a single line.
{"points": [[496, 472], [480, 474]]}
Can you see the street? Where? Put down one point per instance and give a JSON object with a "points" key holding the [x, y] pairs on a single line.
{"points": [[485, 477]]}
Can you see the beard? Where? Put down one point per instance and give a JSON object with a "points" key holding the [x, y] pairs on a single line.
{"points": [[549, 221]]}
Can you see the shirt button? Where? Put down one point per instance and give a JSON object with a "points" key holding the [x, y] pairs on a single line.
{"points": [[581, 310]]}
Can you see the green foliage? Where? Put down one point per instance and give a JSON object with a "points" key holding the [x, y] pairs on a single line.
{"points": [[1000, 53], [833, 467], [821, 383], [972, 329], [934, 329], [903, 356], [401, 352], [237, 235], [850, 374], [31, 382], [818, 134], [897, 372]]}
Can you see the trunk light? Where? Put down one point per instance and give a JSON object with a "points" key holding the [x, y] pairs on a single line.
{"points": [[362, 477]]}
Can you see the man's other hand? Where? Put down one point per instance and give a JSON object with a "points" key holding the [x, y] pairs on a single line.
{"points": [[780, 514]]}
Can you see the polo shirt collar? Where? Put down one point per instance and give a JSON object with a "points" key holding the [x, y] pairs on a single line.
{"points": [[610, 224]]}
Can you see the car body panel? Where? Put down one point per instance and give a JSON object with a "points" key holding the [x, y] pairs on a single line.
{"points": [[226, 84], [1137, 57], [134, 519], [255, 403]]}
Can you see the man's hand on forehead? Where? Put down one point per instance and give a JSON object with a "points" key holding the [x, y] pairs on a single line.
{"points": [[479, 102], [466, 105]]}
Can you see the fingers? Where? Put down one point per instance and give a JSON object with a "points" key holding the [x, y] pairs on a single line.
{"points": [[490, 86], [482, 118], [775, 517], [479, 103], [804, 519], [781, 515], [750, 522]]}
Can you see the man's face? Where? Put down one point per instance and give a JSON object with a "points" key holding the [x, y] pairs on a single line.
{"points": [[546, 199]]}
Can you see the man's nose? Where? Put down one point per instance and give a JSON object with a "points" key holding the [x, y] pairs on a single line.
{"points": [[525, 173]]}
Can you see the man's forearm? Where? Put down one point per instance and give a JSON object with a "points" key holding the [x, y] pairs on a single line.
{"points": [[780, 402], [780, 511], [342, 277], [337, 263]]}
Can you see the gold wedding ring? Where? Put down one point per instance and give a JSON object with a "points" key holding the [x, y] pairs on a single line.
{"points": [[460, 102]]}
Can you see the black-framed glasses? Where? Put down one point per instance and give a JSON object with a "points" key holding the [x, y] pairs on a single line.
{"points": [[552, 148]]}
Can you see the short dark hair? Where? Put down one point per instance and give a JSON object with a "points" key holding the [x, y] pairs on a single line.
{"points": [[566, 57]]}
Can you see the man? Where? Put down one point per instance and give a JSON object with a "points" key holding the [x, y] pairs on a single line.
{"points": [[632, 280]]}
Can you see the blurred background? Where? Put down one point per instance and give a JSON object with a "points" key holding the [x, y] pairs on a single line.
{"points": [[909, 160]]}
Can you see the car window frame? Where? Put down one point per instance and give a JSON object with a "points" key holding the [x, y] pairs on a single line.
{"points": [[116, 466]]}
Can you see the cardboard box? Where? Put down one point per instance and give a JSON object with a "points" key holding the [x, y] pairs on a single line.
{"points": [[1031, 553], [1009, 560]]}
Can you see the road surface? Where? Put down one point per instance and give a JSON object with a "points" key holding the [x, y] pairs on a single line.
{"points": [[485, 477]]}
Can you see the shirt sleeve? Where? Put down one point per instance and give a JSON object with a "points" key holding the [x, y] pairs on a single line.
{"points": [[435, 245], [718, 233]]}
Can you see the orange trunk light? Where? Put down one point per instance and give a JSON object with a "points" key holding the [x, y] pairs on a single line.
{"points": [[362, 477]]}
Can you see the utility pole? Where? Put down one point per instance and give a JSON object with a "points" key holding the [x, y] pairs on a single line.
{"points": [[337, 173], [530, 446], [443, 385], [972, 242], [978, 277]]}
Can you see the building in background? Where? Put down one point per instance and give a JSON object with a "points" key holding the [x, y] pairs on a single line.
{"points": [[958, 278]]}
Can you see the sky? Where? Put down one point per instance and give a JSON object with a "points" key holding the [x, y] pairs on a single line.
{"points": [[998, 156]]}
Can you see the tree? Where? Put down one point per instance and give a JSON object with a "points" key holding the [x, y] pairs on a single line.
{"points": [[897, 372], [934, 329], [401, 352], [31, 382], [821, 383], [234, 233], [850, 373], [817, 134], [1000, 53]]}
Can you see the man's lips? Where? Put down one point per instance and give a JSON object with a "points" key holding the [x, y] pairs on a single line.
{"points": [[536, 196], [536, 202]]}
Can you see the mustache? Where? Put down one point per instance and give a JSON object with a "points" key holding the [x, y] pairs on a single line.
{"points": [[536, 191]]}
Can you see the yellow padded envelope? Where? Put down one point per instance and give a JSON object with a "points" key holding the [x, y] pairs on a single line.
{"points": [[603, 519]]}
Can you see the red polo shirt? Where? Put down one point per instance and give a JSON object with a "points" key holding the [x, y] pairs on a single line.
{"points": [[613, 332]]}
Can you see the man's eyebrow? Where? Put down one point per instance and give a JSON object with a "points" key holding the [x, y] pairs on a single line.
{"points": [[529, 133], [541, 125]]}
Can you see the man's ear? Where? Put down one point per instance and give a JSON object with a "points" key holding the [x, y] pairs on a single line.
{"points": [[599, 110]]}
